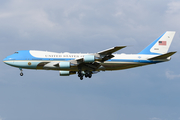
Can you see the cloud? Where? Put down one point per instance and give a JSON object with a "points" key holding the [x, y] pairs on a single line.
{"points": [[173, 15], [86, 22], [171, 75], [173, 7], [154, 118], [1, 118]]}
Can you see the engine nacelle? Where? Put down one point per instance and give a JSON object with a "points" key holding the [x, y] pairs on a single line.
{"points": [[64, 65], [66, 73], [89, 58]]}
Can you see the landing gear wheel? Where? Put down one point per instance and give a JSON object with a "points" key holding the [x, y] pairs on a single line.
{"points": [[79, 73], [90, 75], [21, 74], [86, 75]]}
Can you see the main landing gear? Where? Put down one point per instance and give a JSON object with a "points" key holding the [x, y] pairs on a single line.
{"points": [[80, 74], [88, 74], [84, 73], [21, 73]]}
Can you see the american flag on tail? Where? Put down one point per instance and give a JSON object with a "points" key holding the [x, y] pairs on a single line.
{"points": [[162, 42]]}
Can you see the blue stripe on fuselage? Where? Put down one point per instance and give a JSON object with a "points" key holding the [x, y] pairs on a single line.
{"points": [[134, 61]]}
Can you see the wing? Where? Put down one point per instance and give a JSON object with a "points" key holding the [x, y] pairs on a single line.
{"points": [[102, 55], [111, 50], [107, 54], [98, 57]]}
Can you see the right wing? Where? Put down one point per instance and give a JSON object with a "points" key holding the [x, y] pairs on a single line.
{"points": [[107, 54], [102, 55], [111, 50]]}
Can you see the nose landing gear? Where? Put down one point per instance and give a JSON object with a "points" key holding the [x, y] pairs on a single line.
{"points": [[21, 73]]}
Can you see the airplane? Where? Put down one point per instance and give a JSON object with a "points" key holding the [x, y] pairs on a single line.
{"points": [[87, 64]]}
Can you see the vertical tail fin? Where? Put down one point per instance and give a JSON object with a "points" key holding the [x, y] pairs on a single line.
{"points": [[160, 45]]}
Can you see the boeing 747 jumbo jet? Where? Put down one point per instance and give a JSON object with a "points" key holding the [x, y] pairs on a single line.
{"points": [[88, 64]]}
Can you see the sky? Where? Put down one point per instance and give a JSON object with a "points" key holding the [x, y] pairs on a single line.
{"points": [[143, 93]]}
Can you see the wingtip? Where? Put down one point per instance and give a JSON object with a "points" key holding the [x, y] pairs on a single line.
{"points": [[175, 52], [121, 46]]}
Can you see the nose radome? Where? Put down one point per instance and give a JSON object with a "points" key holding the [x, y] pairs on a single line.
{"points": [[10, 57], [5, 59]]}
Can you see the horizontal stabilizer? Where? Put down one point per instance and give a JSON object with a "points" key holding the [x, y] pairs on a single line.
{"points": [[164, 56]]}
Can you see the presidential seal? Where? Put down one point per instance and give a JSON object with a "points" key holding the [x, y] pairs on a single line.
{"points": [[29, 63]]}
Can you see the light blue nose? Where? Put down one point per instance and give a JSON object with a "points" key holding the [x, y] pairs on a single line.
{"points": [[5, 60], [8, 60]]}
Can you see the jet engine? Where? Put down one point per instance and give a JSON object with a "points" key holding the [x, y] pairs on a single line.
{"points": [[89, 58], [66, 73], [64, 65]]}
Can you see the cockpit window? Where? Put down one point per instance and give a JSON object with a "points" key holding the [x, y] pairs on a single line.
{"points": [[16, 53]]}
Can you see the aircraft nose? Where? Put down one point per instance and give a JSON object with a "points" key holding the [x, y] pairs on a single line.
{"points": [[10, 57], [5, 59]]}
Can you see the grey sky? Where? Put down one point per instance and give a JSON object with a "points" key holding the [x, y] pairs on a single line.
{"points": [[144, 93]]}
